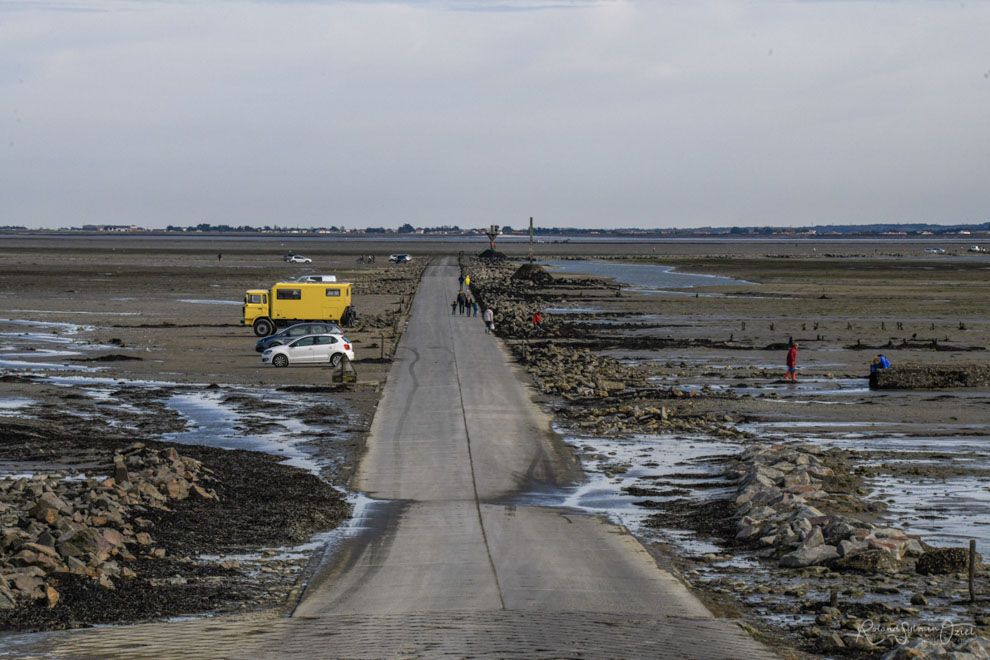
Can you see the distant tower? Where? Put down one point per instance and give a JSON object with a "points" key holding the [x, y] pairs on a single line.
{"points": [[493, 232], [531, 240]]}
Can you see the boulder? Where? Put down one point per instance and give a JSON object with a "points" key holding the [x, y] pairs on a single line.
{"points": [[869, 561], [848, 548], [809, 556], [943, 561]]}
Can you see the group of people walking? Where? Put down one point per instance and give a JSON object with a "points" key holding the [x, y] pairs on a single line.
{"points": [[464, 304]]}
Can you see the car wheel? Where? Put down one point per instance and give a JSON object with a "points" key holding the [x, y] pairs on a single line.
{"points": [[335, 359], [263, 328], [280, 360]]}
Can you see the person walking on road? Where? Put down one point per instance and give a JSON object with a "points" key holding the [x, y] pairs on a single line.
{"points": [[792, 363], [453, 307], [489, 318], [474, 306], [461, 301]]}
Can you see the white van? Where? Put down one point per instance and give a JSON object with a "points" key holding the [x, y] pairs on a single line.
{"points": [[316, 278]]}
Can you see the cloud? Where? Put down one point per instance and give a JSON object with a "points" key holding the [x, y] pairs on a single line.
{"points": [[450, 112]]}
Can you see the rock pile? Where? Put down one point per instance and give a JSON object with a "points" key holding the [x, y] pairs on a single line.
{"points": [[575, 373], [515, 299], [783, 502], [913, 377], [604, 395], [90, 526], [533, 273], [391, 279]]}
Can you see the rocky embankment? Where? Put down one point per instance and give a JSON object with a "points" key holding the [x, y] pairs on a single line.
{"points": [[916, 377], [101, 527], [395, 280], [798, 508], [92, 526], [603, 395]]}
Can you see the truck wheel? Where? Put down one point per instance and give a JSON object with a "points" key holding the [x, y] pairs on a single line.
{"points": [[335, 359], [280, 361], [263, 327]]}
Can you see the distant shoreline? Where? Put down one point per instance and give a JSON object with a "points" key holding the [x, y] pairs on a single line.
{"points": [[515, 239]]}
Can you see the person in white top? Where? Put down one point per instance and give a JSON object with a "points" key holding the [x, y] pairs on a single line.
{"points": [[489, 318]]}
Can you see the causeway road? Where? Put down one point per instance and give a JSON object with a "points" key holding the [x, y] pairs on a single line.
{"points": [[446, 562]]}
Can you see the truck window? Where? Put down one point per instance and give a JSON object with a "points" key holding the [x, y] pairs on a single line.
{"points": [[333, 293], [254, 298], [289, 294]]}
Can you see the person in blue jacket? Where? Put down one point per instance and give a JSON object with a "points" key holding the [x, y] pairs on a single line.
{"points": [[879, 362]]}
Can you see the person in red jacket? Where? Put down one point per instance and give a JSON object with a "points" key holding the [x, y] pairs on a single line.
{"points": [[792, 363]]}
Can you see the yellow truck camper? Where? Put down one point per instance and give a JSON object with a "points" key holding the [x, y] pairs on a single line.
{"points": [[295, 302]]}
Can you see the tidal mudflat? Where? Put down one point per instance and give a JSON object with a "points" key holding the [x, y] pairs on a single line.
{"points": [[180, 476], [670, 391]]}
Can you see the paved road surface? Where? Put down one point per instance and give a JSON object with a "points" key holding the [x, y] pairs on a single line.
{"points": [[447, 564]]}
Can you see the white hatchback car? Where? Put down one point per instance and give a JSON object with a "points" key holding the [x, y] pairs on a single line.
{"points": [[312, 349], [297, 259]]}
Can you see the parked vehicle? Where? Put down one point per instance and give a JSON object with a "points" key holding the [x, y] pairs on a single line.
{"points": [[316, 278], [311, 349], [297, 259], [288, 303], [297, 330], [935, 250], [400, 258]]}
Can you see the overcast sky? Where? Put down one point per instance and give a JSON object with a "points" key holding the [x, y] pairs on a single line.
{"points": [[582, 113]]}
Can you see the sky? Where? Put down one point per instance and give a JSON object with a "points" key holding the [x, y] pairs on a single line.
{"points": [[579, 113]]}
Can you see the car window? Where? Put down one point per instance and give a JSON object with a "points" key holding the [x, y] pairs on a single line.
{"points": [[305, 341], [326, 340], [298, 332]]}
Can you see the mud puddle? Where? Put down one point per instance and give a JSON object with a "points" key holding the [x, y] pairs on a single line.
{"points": [[627, 477]]}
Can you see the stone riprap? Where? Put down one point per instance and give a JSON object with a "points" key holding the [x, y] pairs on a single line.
{"points": [[798, 507], [90, 526], [783, 505], [916, 377], [603, 394], [785, 502]]}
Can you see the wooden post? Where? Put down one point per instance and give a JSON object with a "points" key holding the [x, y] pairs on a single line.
{"points": [[972, 570], [383, 345]]}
